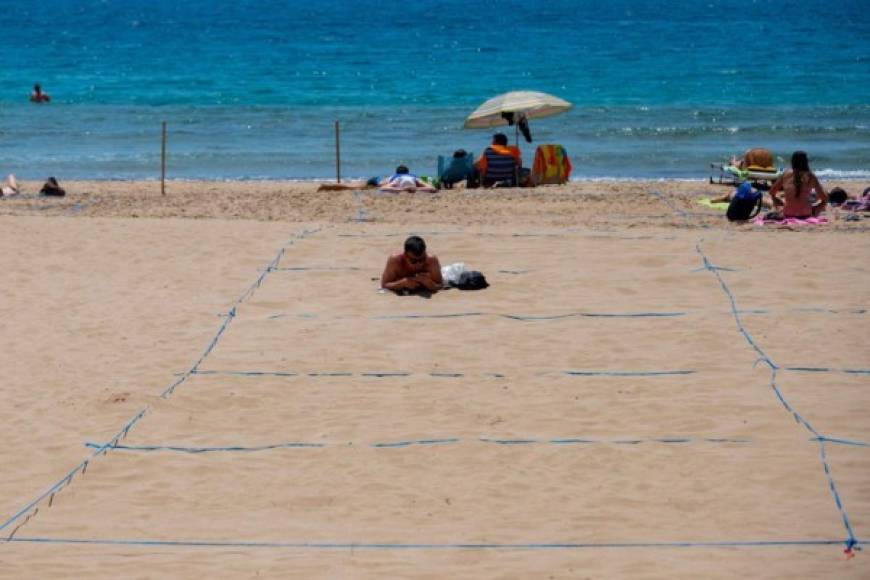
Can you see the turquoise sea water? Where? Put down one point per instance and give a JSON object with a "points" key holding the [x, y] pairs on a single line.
{"points": [[250, 89]]}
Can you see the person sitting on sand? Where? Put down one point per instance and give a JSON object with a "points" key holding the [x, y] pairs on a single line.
{"points": [[798, 184], [403, 180], [9, 187], [459, 169], [412, 270], [499, 163], [37, 96], [757, 158]]}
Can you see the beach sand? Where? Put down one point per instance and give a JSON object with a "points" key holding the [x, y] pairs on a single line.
{"points": [[597, 412]]}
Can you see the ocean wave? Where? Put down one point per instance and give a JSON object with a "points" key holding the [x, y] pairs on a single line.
{"points": [[845, 174]]}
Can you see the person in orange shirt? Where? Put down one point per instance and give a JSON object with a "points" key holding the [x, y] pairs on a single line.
{"points": [[499, 163]]}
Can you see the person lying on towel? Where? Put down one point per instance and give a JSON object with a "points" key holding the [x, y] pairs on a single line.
{"points": [[403, 180], [756, 158], [412, 270]]}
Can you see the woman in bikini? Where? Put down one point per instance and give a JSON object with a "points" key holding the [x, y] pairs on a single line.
{"points": [[797, 184]]}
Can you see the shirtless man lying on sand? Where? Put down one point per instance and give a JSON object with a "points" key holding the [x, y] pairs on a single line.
{"points": [[412, 270]]}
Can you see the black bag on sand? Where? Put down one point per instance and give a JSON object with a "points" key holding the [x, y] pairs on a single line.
{"points": [[472, 280], [52, 188], [745, 204]]}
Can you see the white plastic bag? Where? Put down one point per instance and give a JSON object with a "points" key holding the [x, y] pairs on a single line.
{"points": [[451, 273]]}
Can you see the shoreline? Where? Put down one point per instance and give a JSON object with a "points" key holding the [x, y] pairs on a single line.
{"points": [[590, 204]]}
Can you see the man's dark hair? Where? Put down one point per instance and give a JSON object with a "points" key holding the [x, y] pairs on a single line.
{"points": [[459, 154], [500, 139], [415, 246], [402, 170]]}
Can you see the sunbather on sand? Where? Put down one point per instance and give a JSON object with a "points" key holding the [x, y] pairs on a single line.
{"points": [[766, 201], [798, 183], [10, 186], [349, 185], [403, 180], [757, 157], [412, 270]]}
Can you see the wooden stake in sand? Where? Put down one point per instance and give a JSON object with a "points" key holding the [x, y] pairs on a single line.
{"points": [[163, 162], [337, 155]]}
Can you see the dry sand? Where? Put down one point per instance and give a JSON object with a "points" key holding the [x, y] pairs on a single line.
{"points": [[420, 428]]}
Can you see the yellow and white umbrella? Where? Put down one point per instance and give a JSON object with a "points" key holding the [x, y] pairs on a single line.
{"points": [[532, 104]]}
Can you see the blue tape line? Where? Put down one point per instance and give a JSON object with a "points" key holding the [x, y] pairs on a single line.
{"points": [[827, 370], [416, 316], [195, 450], [317, 269], [532, 317], [626, 373], [78, 469], [303, 316], [670, 204], [446, 441], [366, 374], [423, 546], [412, 442], [508, 441], [850, 540], [838, 441], [716, 268], [434, 374], [125, 429], [734, 311], [248, 373], [831, 310], [171, 388]]}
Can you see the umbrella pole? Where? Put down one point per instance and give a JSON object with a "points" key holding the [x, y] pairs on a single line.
{"points": [[517, 144]]}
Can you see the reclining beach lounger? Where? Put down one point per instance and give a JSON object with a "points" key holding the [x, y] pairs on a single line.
{"points": [[760, 177]]}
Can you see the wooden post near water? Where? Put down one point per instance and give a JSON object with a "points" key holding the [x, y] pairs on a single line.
{"points": [[337, 154], [163, 161]]}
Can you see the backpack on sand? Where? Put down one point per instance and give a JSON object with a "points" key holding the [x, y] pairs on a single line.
{"points": [[471, 280], [745, 204], [52, 188]]}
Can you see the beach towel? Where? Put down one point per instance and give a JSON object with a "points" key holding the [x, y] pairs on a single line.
{"points": [[810, 221], [862, 204], [405, 182], [551, 165], [708, 202]]}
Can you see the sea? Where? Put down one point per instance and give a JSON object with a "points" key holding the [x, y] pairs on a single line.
{"points": [[252, 89]]}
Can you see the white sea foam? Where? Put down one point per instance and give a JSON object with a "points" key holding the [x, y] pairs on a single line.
{"points": [[843, 174]]}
